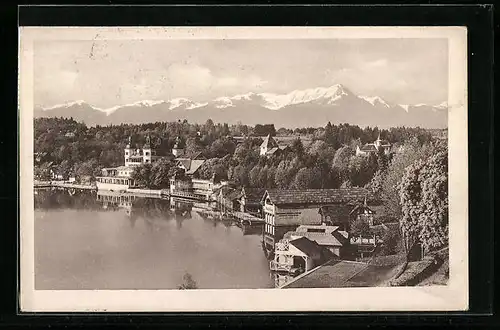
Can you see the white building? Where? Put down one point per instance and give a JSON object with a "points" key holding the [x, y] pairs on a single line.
{"points": [[373, 148], [178, 150], [119, 178]]}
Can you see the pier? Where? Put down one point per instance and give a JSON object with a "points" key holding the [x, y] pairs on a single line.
{"points": [[49, 184]]}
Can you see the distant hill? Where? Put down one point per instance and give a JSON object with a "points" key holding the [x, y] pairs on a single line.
{"points": [[300, 108]]}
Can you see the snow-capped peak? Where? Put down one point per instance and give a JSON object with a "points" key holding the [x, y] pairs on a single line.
{"points": [[376, 100], [239, 97], [330, 94], [223, 102], [65, 105], [405, 107], [142, 103]]}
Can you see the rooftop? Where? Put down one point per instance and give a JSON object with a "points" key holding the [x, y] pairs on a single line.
{"points": [[342, 274], [322, 239], [269, 142], [253, 194], [307, 246], [319, 196], [368, 147]]}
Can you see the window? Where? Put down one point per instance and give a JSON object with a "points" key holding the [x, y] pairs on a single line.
{"points": [[147, 153], [316, 230]]}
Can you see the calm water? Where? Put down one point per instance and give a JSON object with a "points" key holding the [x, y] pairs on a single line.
{"points": [[85, 242]]}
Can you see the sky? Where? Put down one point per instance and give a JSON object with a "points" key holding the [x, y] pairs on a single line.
{"points": [[106, 73]]}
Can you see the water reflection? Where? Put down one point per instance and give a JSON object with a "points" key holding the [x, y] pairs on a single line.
{"points": [[120, 241], [154, 210]]}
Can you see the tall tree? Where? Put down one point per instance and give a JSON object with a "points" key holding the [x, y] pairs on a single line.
{"points": [[424, 201]]}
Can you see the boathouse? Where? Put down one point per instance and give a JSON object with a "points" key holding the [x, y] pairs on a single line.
{"points": [[328, 237], [250, 200], [228, 198], [296, 255], [285, 210]]}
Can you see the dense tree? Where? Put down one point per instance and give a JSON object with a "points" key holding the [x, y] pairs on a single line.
{"points": [[331, 155], [161, 171], [254, 177], [193, 146], [424, 201], [188, 283], [142, 175], [341, 162], [264, 130]]}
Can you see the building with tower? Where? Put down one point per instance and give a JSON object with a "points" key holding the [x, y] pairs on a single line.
{"points": [[270, 147], [119, 178], [178, 149], [373, 148]]}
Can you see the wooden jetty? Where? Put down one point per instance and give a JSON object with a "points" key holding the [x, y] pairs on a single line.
{"points": [[58, 184]]}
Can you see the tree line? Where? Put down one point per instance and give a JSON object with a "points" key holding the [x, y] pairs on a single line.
{"points": [[411, 181]]}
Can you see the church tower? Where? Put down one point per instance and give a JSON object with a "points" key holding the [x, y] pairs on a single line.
{"points": [[128, 151], [377, 142], [177, 150], [146, 151]]}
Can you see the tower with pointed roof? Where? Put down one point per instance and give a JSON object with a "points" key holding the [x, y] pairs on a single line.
{"points": [[178, 150], [377, 142], [267, 144]]}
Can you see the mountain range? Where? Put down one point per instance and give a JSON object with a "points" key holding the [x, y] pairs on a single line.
{"points": [[300, 108]]}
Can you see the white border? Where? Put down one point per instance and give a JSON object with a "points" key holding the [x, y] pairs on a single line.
{"points": [[453, 297]]}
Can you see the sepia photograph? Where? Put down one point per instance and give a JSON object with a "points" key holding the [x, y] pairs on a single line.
{"points": [[219, 169]]}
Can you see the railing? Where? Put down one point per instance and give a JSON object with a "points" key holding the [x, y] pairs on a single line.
{"points": [[277, 267], [185, 194]]}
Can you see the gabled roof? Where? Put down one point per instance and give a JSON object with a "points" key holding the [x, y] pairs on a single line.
{"points": [[307, 246], [194, 166], [272, 151], [198, 156], [253, 195], [185, 162], [229, 192], [269, 142], [328, 239], [319, 196], [362, 207]]}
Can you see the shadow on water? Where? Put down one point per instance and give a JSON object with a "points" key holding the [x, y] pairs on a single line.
{"points": [[153, 211]]}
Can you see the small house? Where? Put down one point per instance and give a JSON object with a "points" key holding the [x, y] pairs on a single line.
{"points": [[250, 200], [363, 212], [228, 198], [285, 210], [296, 255], [328, 237]]}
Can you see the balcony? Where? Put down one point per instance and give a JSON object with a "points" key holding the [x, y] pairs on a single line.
{"points": [[277, 267]]}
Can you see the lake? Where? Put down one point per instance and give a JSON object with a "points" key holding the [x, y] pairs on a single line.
{"points": [[93, 241]]}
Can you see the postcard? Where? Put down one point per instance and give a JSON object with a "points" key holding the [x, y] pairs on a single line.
{"points": [[243, 169]]}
